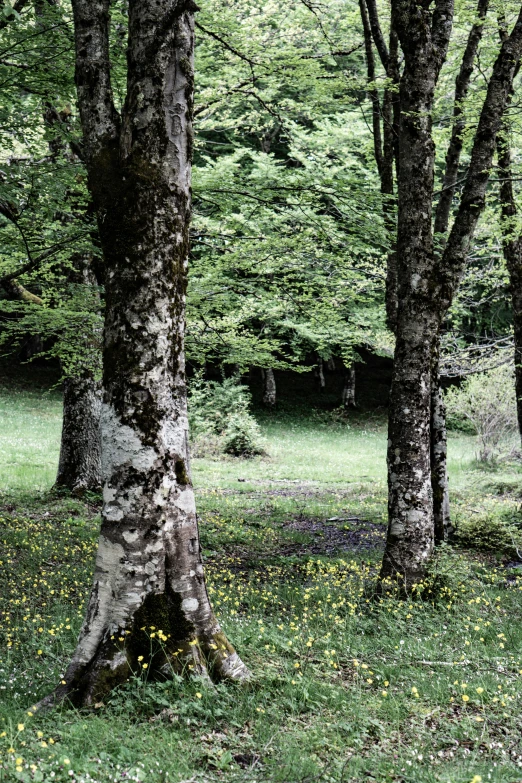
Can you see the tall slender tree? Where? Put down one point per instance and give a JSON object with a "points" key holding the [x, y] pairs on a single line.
{"points": [[148, 569], [386, 126], [428, 282]]}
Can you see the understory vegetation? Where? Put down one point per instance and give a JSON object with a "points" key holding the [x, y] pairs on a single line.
{"points": [[345, 688], [220, 419]]}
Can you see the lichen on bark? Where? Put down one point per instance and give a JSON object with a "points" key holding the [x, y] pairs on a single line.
{"points": [[149, 602]]}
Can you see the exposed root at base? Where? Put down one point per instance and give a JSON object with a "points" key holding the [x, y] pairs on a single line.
{"points": [[212, 658]]}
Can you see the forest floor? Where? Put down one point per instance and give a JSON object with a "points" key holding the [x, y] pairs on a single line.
{"points": [[344, 690]]}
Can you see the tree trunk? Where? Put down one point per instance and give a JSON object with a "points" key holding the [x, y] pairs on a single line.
{"points": [[512, 246], [79, 468], [439, 470], [443, 528], [149, 602], [319, 374], [385, 141], [269, 388], [424, 38], [428, 285], [348, 397]]}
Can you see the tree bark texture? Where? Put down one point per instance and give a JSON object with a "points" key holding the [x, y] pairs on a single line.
{"points": [[512, 245], [443, 529], [427, 286], [439, 471], [79, 467], [424, 37], [149, 596], [269, 388]]}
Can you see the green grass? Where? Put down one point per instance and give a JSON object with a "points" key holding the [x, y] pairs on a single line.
{"points": [[30, 424], [344, 689]]}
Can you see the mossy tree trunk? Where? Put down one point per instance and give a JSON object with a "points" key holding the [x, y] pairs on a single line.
{"points": [[428, 282], [149, 576]]}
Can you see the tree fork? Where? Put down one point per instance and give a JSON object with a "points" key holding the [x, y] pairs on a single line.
{"points": [[427, 289]]}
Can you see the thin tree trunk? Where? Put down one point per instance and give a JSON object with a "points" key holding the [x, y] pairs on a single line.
{"points": [[443, 528], [512, 246], [269, 388], [348, 397], [149, 602], [384, 141], [439, 470], [319, 371]]}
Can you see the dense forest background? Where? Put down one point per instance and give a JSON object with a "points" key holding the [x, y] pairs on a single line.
{"points": [[353, 340]]}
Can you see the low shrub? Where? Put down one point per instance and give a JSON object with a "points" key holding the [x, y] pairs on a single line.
{"points": [[491, 532], [220, 420], [488, 402]]}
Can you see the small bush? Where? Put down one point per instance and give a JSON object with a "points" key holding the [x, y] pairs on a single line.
{"points": [[489, 532], [220, 421], [488, 402]]}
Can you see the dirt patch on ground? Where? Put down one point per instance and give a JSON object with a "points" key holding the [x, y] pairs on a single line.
{"points": [[335, 537]]}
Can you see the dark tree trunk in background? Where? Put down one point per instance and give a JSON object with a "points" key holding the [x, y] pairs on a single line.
{"points": [[319, 374], [512, 245], [149, 570], [348, 397], [428, 283], [269, 388], [79, 468]]}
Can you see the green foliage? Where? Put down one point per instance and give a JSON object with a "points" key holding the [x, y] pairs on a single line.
{"points": [[220, 419], [491, 531], [487, 401]]}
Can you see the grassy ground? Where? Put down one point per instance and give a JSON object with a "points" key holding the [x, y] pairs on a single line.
{"points": [[344, 689]]}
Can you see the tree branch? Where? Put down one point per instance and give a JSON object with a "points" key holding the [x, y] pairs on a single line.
{"points": [[35, 262], [378, 37], [462, 83], [452, 264], [100, 120]]}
